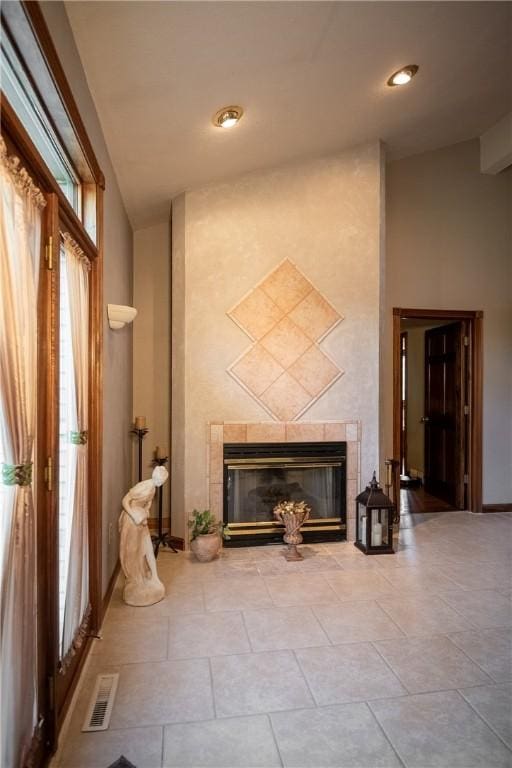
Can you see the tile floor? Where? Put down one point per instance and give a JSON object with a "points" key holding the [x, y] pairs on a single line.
{"points": [[341, 660]]}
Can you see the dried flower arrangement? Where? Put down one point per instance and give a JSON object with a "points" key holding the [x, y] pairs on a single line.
{"points": [[291, 508]]}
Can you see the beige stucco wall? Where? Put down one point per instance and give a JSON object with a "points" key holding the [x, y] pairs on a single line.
{"points": [[324, 215], [152, 345], [449, 246], [118, 285]]}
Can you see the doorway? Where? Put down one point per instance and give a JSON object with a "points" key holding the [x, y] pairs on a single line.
{"points": [[437, 408]]}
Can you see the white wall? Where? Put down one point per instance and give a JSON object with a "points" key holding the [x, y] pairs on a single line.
{"points": [[449, 246], [324, 215], [152, 344], [117, 276]]}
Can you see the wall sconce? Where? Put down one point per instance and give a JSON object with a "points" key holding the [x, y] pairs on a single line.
{"points": [[118, 315]]}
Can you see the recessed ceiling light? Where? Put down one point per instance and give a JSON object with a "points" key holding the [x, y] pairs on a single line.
{"points": [[404, 75], [227, 117]]}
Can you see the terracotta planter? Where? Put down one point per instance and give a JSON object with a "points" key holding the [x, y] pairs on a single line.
{"points": [[206, 547]]}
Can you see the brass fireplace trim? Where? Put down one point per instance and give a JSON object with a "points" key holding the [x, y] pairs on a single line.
{"points": [[310, 522], [305, 529], [308, 461]]}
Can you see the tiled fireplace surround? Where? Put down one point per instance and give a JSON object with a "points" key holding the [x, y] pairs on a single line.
{"points": [[283, 432]]}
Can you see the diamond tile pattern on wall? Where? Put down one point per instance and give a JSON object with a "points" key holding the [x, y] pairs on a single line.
{"points": [[286, 317]]}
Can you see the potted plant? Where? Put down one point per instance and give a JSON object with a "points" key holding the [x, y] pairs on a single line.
{"points": [[206, 533]]}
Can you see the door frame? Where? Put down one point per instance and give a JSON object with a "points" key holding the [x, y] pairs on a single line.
{"points": [[474, 320]]}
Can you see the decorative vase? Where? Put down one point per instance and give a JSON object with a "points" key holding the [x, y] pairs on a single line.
{"points": [[292, 515], [206, 547]]}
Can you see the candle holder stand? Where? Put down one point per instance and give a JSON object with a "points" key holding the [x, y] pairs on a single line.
{"points": [[141, 433], [162, 539]]}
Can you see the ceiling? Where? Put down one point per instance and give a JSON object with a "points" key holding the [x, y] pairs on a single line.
{"points": [[310, 76]]}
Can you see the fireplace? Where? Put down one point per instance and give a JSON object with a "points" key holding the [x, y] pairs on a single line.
{"points": [[257, 476]]}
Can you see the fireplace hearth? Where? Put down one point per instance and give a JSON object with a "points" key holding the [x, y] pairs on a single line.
{"points": [[257, 476]]}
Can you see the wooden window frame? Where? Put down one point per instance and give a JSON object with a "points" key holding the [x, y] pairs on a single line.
{"points": [[474, 320], [60, 214]]}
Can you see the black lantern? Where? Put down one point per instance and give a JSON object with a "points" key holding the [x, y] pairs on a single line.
{"points": [[374, 521]]}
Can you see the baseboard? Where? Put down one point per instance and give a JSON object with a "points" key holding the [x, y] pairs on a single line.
{"points": [[496, 507], [108, 594]]}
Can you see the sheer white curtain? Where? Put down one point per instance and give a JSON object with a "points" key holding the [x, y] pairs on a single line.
{"points": [[21, 205], [77, 586]]}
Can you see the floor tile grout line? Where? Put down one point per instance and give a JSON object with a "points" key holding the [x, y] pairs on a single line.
{"points": [[212, 686], [454, 608], [162, 755], [331, 642], [481, 632], [386, 662], [388, 739], [395, 621], [271, 724], [467, 655], [247, 631], [460, 691], [297, 661]]}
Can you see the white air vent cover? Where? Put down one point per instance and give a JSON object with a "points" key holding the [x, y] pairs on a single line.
{"points": [[102, 701]]}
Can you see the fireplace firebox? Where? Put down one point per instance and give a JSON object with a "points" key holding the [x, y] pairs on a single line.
{"points": [[257, 476]]}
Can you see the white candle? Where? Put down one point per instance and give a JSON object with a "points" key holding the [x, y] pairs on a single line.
{"points": [[377, 535], [140, 422]]}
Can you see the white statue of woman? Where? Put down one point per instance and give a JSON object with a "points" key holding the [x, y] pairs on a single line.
{"points": [[143, 587]]}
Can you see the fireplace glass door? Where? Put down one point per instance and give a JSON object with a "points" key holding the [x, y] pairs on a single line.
{"points": [[259, 476]]}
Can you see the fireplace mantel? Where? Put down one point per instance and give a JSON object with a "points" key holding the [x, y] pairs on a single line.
{"points": [[283, 432]]}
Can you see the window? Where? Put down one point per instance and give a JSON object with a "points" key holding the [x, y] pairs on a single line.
{"points": [[50, 487], [67, 457], [25, 102], [41, 100]]}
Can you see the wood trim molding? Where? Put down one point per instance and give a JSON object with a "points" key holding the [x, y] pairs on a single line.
{"points": [[96, 422], [35, 165], [449, 314], [396, 397], [47, 445], [110, 589], [476, 410], [475, 322], [35, 16], [497, 507]]}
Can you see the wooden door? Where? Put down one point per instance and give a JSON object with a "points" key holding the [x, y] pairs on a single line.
{"points": [[444, 413]]}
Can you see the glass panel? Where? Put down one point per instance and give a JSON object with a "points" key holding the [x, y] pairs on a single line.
{"points": [[67, 450], [379, 535], [362, 519], [253, 493], [25, 102]]}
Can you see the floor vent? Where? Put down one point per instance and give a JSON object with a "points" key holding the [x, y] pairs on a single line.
{"points": [[122, 763], [102, 701]]}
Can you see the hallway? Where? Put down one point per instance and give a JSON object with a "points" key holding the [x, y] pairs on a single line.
{"points": [[418, 501], [339, 660]]}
